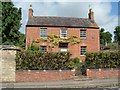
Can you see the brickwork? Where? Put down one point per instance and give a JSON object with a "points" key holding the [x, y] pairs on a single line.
{"points": [[102, 73], [73, 26], [92, 40], [39, 76]]}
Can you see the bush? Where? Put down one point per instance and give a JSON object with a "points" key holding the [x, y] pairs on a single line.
{"points": [[77, 63], [102, 60], [35, 60]]}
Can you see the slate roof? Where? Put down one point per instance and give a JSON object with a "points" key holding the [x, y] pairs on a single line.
{"points": [[61, 21]]}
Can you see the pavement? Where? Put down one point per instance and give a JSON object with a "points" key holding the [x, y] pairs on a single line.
{"points": [[91, 83]]}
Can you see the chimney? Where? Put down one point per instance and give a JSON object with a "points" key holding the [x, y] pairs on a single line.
{"points": [[30, 11], [91, 14]]}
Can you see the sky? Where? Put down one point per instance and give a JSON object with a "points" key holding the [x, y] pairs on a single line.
{"points": [[105, 11]]}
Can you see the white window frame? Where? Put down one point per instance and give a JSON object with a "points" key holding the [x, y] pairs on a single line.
{"points": [[44, 36], [61, 34], [83, 50], [83, 34], [63, 49]]}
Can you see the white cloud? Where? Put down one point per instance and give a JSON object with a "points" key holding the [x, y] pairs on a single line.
{"points": [[70, 9]]}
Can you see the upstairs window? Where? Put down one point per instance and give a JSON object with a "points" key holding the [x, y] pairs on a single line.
{"points": [[43, 48], [82, 34], [63, 33], [43, 33], [83, 50]]}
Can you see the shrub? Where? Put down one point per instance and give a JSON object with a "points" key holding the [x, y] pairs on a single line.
{"points": [[77, 65], [35, 60], [77, 62], [102, 60]]}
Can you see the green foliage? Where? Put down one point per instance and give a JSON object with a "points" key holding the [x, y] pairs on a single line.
{"points": [[54, 40], [11, 17], [0, 23], [102, 60], [77, 63], [113, 46], [105, 37], [76, 60], [34, 48], [35, 60], [117, 35]]}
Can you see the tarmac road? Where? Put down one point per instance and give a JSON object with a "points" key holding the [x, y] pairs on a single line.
{"points": [[111, 83]]}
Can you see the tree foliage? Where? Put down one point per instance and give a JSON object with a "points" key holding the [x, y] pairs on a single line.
{"points": [[117, 35], [105, 37], [0, 23], [11, 22]]}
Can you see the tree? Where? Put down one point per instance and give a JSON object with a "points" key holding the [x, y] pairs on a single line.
{"points": [[117, 35], [54, 40], [0, 23], [105, 37], [11, 22]]}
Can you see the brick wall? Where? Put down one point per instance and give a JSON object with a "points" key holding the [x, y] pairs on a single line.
{"points": [[103, 73], [38, 76], [92, 34]]}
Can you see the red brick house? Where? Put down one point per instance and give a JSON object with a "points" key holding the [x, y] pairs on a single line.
{"points": [[85, 29]]}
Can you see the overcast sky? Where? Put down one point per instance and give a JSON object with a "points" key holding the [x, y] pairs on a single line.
{"points": [[105, 12]]}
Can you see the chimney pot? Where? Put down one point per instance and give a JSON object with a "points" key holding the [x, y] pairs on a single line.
{"points": [[30, 11], [91, 14]]}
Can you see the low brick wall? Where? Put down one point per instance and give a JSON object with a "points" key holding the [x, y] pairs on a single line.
{"points": [[39, 76], [103, 73]]}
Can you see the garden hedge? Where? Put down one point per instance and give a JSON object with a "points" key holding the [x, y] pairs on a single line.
{"points": [[102, 60], [35, 60]]}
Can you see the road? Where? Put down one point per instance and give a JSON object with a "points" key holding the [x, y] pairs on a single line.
{"points": [[111, 83]]}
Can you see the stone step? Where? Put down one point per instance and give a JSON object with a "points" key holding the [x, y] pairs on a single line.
{"points": [[82, 78]]}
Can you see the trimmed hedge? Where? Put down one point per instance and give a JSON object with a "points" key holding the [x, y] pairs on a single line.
{"points": [[102, 60], [35, 60]]}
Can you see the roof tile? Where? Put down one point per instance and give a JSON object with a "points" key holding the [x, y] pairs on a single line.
{"points": [[60, 21]]}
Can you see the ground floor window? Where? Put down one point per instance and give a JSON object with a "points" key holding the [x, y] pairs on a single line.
{"points": [[43, 48], [63, 46], [83, 50]]}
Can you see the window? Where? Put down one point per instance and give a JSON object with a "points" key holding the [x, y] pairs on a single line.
{"points": [[63, 33], [63, 47], [82, 34], [43, 33], [83, 50], [43, 48]]}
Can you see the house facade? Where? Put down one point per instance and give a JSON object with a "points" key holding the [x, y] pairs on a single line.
{"points": [[85, 29]]}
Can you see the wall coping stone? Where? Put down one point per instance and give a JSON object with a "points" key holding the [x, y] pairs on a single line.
{"points": [[44, 70], [9, 47], [105, 69]]}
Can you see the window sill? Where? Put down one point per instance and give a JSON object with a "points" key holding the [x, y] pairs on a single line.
{"points": [[82, 55], [83, 38]]}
